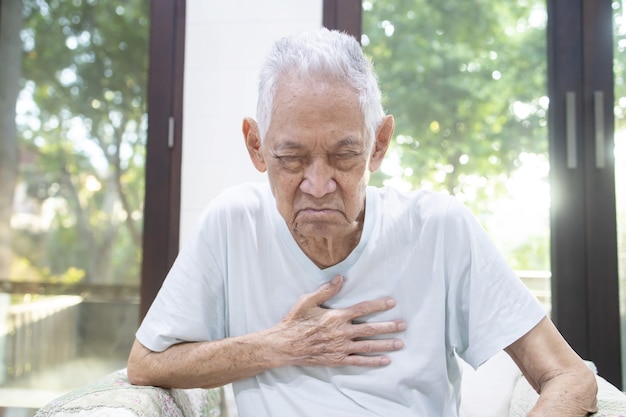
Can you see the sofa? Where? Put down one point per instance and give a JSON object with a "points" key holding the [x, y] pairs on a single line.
{"points": [[496, 389]]}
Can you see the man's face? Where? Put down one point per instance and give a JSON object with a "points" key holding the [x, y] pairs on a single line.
{"points": [[318, 158]]}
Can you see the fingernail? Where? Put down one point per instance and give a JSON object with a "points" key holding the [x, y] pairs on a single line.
{"points": [[398, 344], [402, 326], [391, 302], [385, 360], [335, 280]]}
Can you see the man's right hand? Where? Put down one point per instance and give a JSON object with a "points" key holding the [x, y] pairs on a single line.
{"points": [[309, 335], [312, 335]]}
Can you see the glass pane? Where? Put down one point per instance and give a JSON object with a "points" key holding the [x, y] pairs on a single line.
{"points": [[619, 68], [465, 124], [76, 125]]}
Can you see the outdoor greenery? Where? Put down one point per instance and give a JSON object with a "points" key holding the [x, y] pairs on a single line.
{"points": [[81, 122], [467, 85], [466, 82]]}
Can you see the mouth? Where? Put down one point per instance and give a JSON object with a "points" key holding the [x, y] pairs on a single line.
{"points": [[315, 211], [318, 209], [315, 215]]}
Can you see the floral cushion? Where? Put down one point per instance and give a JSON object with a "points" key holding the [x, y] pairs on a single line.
{"points": [[115, 396]]}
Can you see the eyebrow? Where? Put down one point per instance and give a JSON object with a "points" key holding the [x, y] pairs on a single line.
{"points": [[349, 141], [288, 145], [291, 145]]}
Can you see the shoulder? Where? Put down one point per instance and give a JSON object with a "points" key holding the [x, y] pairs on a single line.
{"points": [[422, 216], [244, 198], [234, 208], [241, 196], [420, 204]]}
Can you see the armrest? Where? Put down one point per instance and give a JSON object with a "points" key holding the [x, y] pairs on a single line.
{"points": [[611, 401], [115, 396]]}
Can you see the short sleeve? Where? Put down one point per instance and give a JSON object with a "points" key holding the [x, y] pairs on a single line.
{"points": [[190, 305], [488, 306]]}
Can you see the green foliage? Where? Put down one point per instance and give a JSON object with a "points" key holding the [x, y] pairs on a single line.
{"points": [[23, 270], [466, 83], [531, 255], [452, 73], [84, 79]]}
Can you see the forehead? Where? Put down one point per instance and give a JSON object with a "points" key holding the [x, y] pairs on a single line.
{"points": [[312, 110]]}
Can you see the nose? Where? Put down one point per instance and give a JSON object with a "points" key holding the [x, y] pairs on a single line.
{"points": [[318, 179]]}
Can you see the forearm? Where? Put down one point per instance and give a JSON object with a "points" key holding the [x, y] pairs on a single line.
{"points": [[570, 394], [202, 364], [308, 335], [566, 385]]}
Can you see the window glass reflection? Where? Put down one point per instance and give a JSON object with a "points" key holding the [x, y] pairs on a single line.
{"points": [[70, 267]]}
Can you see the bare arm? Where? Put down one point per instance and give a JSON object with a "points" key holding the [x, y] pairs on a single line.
{"points": [[309, 335], [198, 364], [566, 386]]}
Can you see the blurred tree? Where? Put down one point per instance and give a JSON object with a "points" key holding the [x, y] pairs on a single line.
{"points": [[466, 84], [82, 117], [10, 46]]}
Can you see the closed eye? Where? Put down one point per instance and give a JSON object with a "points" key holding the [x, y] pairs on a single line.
{"points": [[344, 161], [290, 162], [346, 155]]}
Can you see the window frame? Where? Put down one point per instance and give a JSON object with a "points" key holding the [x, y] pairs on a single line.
{"points": [[164, 146], [585, 280]]}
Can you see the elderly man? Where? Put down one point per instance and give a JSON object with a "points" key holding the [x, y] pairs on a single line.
{"points": [[317, 295]]}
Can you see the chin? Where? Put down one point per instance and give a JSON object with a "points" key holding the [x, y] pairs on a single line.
{"points": [[320, 229]]}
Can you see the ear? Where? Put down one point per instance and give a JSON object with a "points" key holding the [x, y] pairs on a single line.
{"points": [[252, 138], [383, 139]]}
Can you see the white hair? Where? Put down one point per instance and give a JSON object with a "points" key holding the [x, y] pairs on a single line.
{"points": [[327, 55]]}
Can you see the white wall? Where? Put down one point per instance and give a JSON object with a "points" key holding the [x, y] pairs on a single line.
{"points": [[225, 43]]}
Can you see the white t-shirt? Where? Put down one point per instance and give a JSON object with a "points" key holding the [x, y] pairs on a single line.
{"points": [[242, 271]]}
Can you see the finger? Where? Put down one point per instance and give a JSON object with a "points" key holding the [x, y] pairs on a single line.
{"points": [[368, 307], [373, 329], [323, 293], [372, 346], [365, 361]]}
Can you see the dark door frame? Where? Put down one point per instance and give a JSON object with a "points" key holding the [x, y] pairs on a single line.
{"points": [[164, 146], [344, 15], [583, 214]]}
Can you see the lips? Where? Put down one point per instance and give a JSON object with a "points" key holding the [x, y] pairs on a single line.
{"points": [[318, 214], [317, 210]]}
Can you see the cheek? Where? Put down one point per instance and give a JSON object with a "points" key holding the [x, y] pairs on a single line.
{"points": [[353, 190], [284, 188]]}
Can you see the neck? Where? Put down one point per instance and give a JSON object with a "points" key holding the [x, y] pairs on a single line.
{"points": [[326, 252]]}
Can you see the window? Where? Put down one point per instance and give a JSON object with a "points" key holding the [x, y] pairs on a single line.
{"points": [[79, 164], [568, 126]]}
